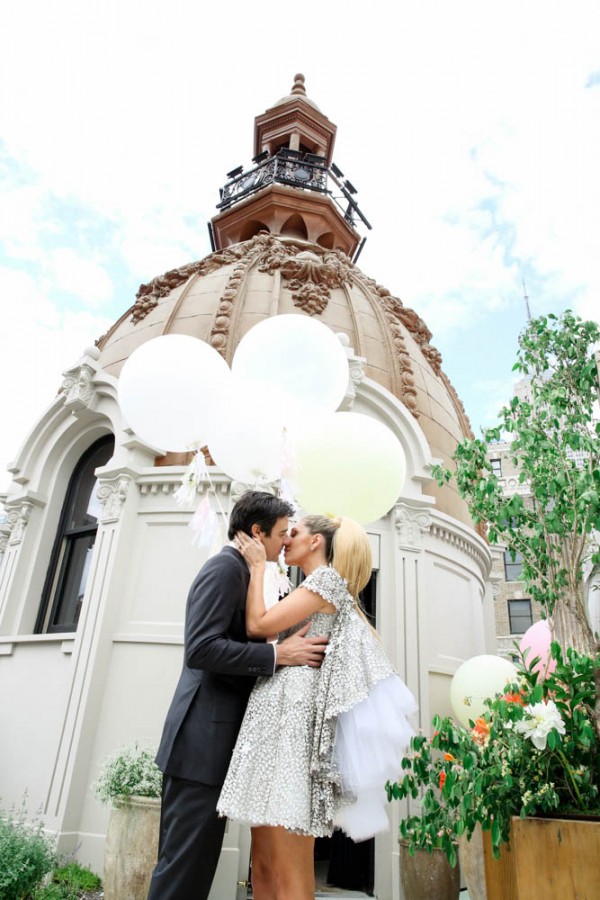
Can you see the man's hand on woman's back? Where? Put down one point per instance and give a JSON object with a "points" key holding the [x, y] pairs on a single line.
{"points": [[299, 650]]}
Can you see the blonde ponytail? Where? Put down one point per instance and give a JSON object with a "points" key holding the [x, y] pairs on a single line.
{"points": [[348, 550], [352, 555]]}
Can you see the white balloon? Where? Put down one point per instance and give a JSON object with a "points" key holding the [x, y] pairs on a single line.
{"points": [[245, 439], [297, 358], [348, 464], [169, 389], [474, 681]]}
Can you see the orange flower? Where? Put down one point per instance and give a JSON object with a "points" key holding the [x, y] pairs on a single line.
{"points": [[442, 780], [514, 698], [449, 758], [481, 731]]}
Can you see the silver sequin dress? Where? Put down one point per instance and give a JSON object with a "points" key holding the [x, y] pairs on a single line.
{"points": [[283, 769]]}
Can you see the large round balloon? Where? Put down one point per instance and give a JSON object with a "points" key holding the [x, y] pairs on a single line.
{"points": [[348, 464], [474, 681], [537, 640], [246, 436], [169, 389], [295, 358]]}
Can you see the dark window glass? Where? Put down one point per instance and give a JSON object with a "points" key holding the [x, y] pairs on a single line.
{"points": [[513, 568], [72, 553], [519, 616], [367, 597], [496, 465]]}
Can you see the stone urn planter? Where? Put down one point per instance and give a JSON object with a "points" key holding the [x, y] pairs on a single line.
{"points": [[428, 876], [472, 864], [131, 848]]}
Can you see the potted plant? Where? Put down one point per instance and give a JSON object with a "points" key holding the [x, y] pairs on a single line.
{"points": [[531, 756], [131, 783], [428, 842], [554, 440]]}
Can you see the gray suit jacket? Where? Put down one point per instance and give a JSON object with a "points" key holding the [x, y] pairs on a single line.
{"points": [[220, 667]]}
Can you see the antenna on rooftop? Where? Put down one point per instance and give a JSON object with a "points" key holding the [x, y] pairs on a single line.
{"points": [[526, 298]]}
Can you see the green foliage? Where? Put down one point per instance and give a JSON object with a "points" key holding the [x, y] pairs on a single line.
{"points": [[76, 876], [53, 892], [555, 445], [69, 881], [427, 771], [535, 750], [26, 854], [128, 772]]}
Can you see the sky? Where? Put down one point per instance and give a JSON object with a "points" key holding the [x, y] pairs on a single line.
{"points": [[471, 130]]}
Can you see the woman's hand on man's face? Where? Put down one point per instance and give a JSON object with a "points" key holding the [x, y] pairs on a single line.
{"points": [[251, 549]]}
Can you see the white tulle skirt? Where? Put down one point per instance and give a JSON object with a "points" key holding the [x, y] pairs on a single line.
{"points": [[370, 741]]}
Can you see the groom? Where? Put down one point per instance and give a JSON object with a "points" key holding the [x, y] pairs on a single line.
{"points": [[219, 671]]}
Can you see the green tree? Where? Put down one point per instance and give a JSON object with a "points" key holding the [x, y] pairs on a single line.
{"points": [[555, 445]]}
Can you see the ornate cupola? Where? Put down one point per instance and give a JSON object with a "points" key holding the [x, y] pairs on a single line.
{"points": [[283, 243], [293, 188]]}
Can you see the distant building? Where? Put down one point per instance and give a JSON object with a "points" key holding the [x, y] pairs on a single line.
{"points": [[514, 610]]}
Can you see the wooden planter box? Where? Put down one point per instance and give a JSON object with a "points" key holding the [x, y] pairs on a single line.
{"points": [[557, 859]]}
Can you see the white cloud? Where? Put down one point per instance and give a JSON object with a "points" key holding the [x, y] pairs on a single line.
{"points": [[468, 128], [38, 342], [23, 219], [83, 278]]}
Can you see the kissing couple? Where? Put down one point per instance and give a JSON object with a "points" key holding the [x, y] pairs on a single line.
{"points": [[290, 719]]}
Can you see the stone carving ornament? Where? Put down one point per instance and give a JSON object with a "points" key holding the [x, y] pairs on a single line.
{"points": [[112, 495], [17, 521], [78, 386], [311, 278], [411, 524], [356, 373], [149, 295], [311, 275]]}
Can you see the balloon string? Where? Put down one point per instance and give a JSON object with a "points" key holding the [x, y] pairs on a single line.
{"points": [[206, 522], [289, 471]]}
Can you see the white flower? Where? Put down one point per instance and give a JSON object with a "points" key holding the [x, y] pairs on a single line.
{"points": [[543, 717]]}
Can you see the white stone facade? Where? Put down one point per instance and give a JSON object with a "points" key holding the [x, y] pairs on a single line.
{"points": [[67, 700]]}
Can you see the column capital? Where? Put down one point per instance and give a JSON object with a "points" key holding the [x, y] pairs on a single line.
{"points": [[112, 493], [411, 523]]}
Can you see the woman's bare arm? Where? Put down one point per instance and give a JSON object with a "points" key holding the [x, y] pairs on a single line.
{"points": [[296, 607]]}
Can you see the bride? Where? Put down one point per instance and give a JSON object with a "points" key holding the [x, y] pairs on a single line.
{"points": [[316, 745]]}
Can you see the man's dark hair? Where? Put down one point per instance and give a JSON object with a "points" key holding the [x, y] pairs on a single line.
{"points": [[260, 508]]}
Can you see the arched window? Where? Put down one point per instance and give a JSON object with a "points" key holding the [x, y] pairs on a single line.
{"points": [[72, 552]]}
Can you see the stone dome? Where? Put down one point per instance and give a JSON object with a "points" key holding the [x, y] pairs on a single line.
{"points": [[219, 298]]}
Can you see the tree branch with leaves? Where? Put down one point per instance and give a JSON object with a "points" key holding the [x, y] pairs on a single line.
{"points": [[554, 444]]}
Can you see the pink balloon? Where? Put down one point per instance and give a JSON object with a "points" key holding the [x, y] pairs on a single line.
{"points": [[537, 640]]}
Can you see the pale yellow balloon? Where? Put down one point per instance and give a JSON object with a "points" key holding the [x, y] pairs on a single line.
{"points": [[474, 681], [348, 464]]}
